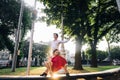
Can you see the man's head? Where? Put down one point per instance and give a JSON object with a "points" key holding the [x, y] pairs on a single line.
{"points": [[55, 35]]}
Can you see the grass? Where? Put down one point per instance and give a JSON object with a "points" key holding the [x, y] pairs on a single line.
{"points": [[38, 70], [100, 68]]}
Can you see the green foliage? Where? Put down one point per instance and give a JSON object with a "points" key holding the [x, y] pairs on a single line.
{"points": [[115, 52], [71, 12], [103, 17], [40, 49], [88, 20], [26, 21], [24, 48], [114, 34], [74, 20], [9, 15], [37, 50], [101, 55], [94, 17]]}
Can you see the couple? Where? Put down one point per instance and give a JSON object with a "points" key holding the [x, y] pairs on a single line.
{"points": [[56, 63]]}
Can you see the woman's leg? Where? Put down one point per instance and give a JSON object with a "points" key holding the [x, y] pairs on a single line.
{"points": [[46, 71], [65, 68], [66, 71], [48, 66]]}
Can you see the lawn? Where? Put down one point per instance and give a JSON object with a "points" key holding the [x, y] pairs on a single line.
{"points": [[38, 70]]}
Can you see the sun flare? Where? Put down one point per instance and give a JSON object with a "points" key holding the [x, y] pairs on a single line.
{"points": [[55, 76]]}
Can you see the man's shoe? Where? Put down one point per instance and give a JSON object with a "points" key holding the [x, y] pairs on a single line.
{"points": [[44, 74], [67, 75]]}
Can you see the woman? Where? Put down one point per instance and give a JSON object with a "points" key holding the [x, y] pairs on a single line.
{"points": [[55, 64]]}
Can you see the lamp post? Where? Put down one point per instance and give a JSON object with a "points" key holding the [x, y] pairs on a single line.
{"points": [[31, 41]]}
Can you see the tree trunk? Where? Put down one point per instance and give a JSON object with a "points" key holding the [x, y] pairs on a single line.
{"points": [[109, 54], [17, 39], [94, 56], [78, 63], [118, 4]]}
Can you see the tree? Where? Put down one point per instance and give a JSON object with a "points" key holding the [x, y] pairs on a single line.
{"points": [[9, 13], [112, 36], [101, 21], [101, 55], [82, 17], [108, 43], [38, 50], [118, 4], [115, 52], [7, 23], [75, 25], [74, 14]]}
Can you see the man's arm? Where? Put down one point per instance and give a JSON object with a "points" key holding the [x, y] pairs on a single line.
{"points": [[64, 41]]}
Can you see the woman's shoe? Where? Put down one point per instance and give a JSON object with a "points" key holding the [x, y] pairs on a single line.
{"points": [[44, 74]]}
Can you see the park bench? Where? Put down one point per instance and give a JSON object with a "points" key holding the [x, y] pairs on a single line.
{"points": [[112, 74]]}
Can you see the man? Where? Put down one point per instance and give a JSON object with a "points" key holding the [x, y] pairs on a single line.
{"points": [[55, 43]]}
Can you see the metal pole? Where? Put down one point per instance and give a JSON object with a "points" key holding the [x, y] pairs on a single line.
{"points": [[30, 45], [17, 39]]}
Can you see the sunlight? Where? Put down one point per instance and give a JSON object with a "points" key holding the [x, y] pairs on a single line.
{"points": [[29, 2], [44, 33], [84, 47], [102, 45], [55, 75]]}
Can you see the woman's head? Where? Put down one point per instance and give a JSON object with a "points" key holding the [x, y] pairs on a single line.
{"points": [[56, 52]]}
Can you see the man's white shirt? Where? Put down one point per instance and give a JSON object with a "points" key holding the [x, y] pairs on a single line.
{"points": [[55, 44]]}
